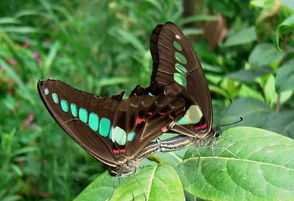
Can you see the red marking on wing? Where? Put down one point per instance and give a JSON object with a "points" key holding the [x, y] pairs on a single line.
{"points": [[162, 113], [201, 126], [139, 120], [117, 151], [164, 129], [122, 151]]}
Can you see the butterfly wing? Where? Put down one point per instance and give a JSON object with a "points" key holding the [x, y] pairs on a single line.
{"points": [[176, 68], [104, 126], [146, 117], [78, 112]]}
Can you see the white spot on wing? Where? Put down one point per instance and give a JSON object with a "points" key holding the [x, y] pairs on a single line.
{"points": [[178, 37], [46, 91]]}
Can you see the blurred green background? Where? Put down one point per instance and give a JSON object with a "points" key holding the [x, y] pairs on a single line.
{"points": [[246, 48]]}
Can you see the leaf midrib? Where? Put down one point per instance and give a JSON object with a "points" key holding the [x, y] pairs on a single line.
{"points": [[239, 159], [151, 181]]}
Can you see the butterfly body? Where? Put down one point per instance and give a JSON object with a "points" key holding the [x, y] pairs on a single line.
{"points": [[120, 132]]}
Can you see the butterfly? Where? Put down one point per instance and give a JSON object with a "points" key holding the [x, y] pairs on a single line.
{"points": [[121, 132]]}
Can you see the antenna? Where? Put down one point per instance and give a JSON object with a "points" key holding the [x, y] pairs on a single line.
{"points": [[232, 123]]}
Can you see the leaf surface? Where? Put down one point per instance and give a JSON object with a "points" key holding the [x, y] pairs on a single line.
{"points": [[245, 164]]}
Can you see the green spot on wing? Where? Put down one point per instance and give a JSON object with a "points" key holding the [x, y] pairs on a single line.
{"points": [[104, 127], [64, 105], [119, 136], [55, 98], [180, 68], [93, 121], [192, 116], [180, 79], [83, 115], [131, 136], [74, 109], [181, 58], [177, 45]]}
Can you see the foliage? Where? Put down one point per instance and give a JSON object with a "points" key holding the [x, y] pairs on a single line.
{"points": [[102, 46]]}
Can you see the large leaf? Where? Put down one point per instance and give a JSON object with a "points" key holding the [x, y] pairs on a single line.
{"points": [[244, 36], [285, 76], [249, 75], [256, 113], [151, 183], [265, 54], [245, 164], [99, 190]]}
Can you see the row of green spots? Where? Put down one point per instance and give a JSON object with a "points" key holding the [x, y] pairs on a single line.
{"points": [[91, 119], [180, 74], [102, 125]]}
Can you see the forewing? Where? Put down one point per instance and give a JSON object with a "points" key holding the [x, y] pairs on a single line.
{"points": [[81, 115]]}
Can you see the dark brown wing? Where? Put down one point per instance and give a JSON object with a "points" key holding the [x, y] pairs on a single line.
{"points": [[78, 112], [69, 107], [147, 116], [171, 51]]}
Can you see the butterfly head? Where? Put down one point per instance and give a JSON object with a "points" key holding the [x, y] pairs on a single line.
{"points": [[125, 169]]}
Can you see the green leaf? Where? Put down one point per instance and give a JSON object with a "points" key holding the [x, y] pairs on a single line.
{"points": [[269, 8], [152, 183], [99, 190], [246, 164], [249, 75], [285, 76], [246, 91], [254, 112], [244, 36], [270, 90], [286, 26], [265, 54], [280, 122]]}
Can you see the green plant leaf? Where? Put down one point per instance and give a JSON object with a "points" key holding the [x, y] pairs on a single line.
{"points": [[246, 91], [285, 76], [280, 122], [245, 164], [249, 75], [253, 111], [99, 190], [152, 183], [286, 26], [265, 54], [270, 90], [244, 36]]}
